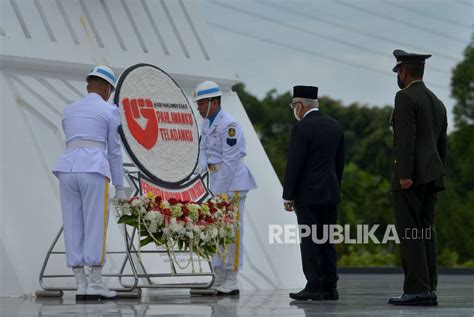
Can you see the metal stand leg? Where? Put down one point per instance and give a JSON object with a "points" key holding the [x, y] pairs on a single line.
{"points": [[132, 290], [51, 291]]}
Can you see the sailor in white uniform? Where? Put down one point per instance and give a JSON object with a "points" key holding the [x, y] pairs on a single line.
{"points": [[222, 149], [92, 157]]}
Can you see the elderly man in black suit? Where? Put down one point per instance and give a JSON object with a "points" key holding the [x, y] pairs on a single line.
{"points": [[311, 189]]}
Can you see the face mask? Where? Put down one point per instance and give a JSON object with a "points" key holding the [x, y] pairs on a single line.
{"points": [[295, 112], [208, 108], [400, 83], [109, 93]]}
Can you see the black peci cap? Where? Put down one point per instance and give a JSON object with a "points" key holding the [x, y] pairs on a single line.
{"points": [[308, 92]]}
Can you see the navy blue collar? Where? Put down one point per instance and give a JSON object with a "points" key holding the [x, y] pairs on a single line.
{"points": [[211, 119]]}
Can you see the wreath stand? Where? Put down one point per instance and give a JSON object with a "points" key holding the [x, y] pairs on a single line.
{"points": [[139, 276]]}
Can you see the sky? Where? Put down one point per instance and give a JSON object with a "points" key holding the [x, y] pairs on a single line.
{"points": [[342, 46]]}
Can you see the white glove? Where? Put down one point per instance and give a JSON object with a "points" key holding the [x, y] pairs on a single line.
{"points": [[120, 193], [200, 170]]}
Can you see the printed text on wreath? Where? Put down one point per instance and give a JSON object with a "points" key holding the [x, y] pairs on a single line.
{"points": [[157, 114]]}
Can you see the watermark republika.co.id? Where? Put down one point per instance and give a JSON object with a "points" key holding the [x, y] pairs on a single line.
{"points": [[348, 234]]}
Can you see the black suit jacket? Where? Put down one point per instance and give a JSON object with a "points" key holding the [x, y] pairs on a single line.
{"points": [[419, 137], [315, 161]]}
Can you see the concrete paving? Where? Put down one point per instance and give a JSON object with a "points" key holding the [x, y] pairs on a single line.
{"points": [[360, 295]]}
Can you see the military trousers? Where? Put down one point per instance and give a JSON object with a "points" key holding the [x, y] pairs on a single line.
{"points": [[85, 213], [414, 220]]}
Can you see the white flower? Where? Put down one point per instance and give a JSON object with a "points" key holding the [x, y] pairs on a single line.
{"points": [[177, 228], [222, 232], [136, 203], [153, 227], [204, 237], [213, 232], [154, 217], [167, 231], [144, 199]]}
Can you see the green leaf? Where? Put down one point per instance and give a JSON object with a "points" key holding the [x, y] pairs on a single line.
{"points": [[146, 241], [128, 220]]}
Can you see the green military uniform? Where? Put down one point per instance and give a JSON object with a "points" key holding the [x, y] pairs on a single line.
{"points": [[420, 133]]}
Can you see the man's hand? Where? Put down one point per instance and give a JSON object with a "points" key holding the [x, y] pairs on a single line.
{"points": [[406, 183], [289, 206]]}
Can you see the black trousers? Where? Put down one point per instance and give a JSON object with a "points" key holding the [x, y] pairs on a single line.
{"points": [[414, 220], [319, 260]]}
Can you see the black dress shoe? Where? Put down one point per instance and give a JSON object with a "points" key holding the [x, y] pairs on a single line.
{"points": [[228, 292], [331, 294], [307, 295], [420, 299], [81, 297]]}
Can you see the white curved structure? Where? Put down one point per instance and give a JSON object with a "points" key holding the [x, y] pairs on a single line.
{"points": [[47, 48]]}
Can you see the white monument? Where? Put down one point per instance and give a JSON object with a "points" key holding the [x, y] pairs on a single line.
{"points": [[46, 49]]}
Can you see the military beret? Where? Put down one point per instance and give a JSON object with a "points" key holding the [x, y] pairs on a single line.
{"points": [[408, 58], [308, 92]]}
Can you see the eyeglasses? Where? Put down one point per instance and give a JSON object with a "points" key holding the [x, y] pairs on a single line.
{"points": [[293, 105]]}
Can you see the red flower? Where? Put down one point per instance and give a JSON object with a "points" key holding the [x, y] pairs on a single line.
{"points": [[209, 219], [173, 201], [213, 210], [158, 200], [183, 218], [185, 211], [166, 212]]}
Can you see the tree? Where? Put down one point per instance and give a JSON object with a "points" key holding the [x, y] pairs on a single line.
{"points": [[462, 88]]}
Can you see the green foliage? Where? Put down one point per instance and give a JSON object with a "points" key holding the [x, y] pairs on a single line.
{"points": [[456, 206], [128, 220], [361, 257], [146, 241], [462, 88], [366, 182]]}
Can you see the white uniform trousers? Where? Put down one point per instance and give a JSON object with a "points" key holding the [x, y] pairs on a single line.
{"points": [[235, 258], [85, 210]]}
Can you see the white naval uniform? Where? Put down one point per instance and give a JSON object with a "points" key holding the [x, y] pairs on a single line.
{"points": [[92, 157], [223, 146]]}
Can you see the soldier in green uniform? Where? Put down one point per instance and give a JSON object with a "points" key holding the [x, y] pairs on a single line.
{"points": [[419, 124]]}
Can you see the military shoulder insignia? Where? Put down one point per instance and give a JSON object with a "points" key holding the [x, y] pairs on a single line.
{"points": [[231, 132], [231, 142]]}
